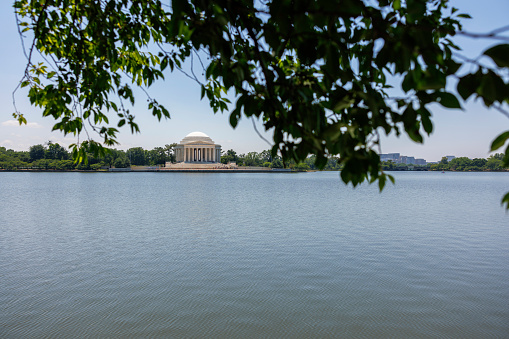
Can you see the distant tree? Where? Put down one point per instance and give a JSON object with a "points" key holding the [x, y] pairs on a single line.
{"points": [[12, 163], [136, 156], [387, 165], [170, 152], [334, 163], [459, 164], [240, 159], [111, 155], [65, 165], [401, 167], [479, 164], [56, 152], [301, 166], [36, 152], [229, 156], [42, 164], [499, 156], [95, 167], [494, 163], [265, 156], [158, 156], [252, 159], [277, 163], [121, 162]]}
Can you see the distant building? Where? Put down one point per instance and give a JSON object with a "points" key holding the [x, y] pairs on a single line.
{"points": [[197, 147], [450, 157], [397, 158], [394, 157]]}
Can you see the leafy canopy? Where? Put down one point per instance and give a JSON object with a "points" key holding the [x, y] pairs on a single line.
{"points": [[325, 76]]}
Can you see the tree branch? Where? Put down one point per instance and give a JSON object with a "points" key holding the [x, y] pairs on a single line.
{"points": [[490, 35]]}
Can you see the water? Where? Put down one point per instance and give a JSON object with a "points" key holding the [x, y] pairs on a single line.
{"points": [[160, 255]]}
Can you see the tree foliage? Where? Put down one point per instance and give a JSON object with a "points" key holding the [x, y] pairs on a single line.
{"points": [[494, 162], [325, 76], [52, 156]]}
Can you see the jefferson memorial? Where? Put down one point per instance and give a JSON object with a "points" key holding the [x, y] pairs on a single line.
{"points": [[198, 148]]}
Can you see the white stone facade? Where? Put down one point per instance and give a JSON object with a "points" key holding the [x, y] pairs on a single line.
{"points": [[197, 147]]}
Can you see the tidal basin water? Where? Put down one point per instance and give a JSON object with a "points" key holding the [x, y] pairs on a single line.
{"points": [[190, 255]]}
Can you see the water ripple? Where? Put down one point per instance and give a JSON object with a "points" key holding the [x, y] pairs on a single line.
{"points": [[252, 256]]}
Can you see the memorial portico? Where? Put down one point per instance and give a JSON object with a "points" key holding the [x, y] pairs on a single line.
{"points": [[197, 147]]}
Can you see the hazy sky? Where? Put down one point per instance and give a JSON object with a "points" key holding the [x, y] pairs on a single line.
{"points": [[461, 133]]}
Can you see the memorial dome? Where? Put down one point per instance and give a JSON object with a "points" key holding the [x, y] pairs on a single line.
{"points": [[196, 137]]}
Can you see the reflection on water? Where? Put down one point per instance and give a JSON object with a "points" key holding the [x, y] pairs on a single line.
{"points": [[252, 255]]}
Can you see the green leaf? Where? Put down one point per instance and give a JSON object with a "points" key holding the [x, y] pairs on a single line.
{"points": [[234, 117], [492, 88], [21, 119], [381, 182], [391, 178], [499, 54], [468, 85], [499, 141], [505, 200], [425, 119], [448, 100]]}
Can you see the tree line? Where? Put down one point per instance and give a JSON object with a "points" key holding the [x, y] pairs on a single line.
{"points": [[265, 159], [494, 162], [52, 156], [463, 164]]}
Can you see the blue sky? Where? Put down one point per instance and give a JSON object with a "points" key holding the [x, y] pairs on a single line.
{"points": [[461, 133]]}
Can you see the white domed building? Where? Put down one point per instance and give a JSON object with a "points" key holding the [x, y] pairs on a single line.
{"points": [[198, 148]]}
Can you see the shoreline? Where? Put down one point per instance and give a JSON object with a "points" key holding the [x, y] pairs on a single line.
{"points": [[123, 170]]}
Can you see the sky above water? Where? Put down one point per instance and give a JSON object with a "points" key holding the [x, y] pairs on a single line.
{"points": [[467, 132]]}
